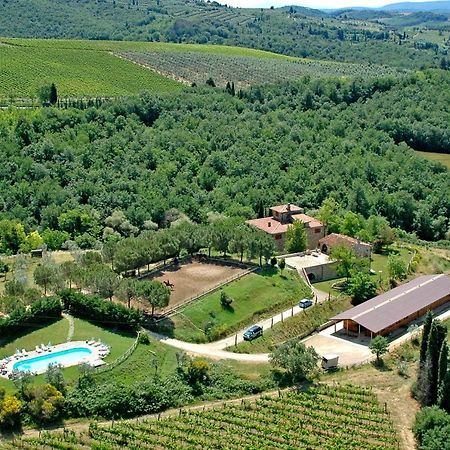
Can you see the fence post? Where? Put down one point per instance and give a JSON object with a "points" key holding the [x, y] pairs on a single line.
{"points": [[292, 312], [271, 325], [235, 340], [281, 317]]}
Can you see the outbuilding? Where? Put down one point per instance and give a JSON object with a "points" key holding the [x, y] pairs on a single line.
{"points": [[398, 307]]}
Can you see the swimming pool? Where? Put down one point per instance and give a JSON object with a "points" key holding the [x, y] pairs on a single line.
{"points": [[39, 364]]}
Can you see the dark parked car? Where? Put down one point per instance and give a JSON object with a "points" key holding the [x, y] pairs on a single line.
{"points": [[305, 303], [253, 332]]}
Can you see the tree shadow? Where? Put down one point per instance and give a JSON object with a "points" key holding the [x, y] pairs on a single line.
{"points": [[381, 366], [161, 325], [27, 329]]}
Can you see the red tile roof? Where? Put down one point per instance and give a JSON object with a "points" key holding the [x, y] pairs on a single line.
{"points": [[339, 239], [386, 309], [310, 221], [269, 225], [284, 208]]}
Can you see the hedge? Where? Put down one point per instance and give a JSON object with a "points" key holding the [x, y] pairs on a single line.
{"points": [[39, 313], [93, 308]]}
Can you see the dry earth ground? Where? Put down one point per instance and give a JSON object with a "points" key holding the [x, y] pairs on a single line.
{"points": [[195, 278]]}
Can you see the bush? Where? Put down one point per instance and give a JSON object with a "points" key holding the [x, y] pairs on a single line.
{"points": [[39, 313], [429, 422], [90, 307], [144, 339], [225, 300]]}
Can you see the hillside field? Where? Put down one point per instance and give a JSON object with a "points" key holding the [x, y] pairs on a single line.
{"points": [[325, 417], [106, 68]]}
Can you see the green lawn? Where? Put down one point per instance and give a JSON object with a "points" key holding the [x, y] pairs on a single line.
{"points": [[118, 342], [56, 333], [255, 296], [299, 325]]}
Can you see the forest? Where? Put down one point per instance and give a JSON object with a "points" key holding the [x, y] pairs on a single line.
{"points": [[121, 168]]}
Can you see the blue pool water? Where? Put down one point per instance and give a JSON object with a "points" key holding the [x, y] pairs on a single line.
{"points": [[40, 363]]}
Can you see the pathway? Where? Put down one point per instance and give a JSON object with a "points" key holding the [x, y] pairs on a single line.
{"points": [[217, 349], [71, 331]]}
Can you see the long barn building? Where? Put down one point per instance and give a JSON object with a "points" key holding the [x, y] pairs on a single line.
{"points": [[398, 307]]}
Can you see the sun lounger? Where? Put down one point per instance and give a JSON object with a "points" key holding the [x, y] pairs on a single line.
{"points": [[91, 342]]}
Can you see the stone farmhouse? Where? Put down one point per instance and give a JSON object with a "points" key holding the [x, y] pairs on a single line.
{"points": [[361, 249], [282, 217]]}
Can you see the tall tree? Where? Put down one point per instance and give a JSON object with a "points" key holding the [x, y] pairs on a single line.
{"points": [[296, 240], [127, 290], [429, 387], [53, 96], [153, 293], [46, 275]]}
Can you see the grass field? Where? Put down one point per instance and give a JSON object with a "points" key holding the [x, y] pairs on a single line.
{"points": [[443, 158], [299, 325], [56, 333], [94, 68], [325, 417], [255, 296]]}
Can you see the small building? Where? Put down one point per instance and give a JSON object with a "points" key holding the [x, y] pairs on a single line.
{"points": [[361, 249], [282, 216], [398, 307]]}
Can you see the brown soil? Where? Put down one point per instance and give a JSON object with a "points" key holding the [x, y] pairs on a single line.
{"points": [[194, 278]]}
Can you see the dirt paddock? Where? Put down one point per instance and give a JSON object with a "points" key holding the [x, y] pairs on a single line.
{"points": [[190, 279]]}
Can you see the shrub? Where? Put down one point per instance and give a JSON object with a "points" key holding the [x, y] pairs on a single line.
{"points": [[40, 312], [225, 300], [105, 312], [429, 421], [144, 339]]}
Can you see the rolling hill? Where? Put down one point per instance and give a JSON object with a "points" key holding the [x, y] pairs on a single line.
{"points": [[110, 68], [293, 31]]}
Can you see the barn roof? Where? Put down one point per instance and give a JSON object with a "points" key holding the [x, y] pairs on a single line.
{"points": [[389, 308], [336, 239]]}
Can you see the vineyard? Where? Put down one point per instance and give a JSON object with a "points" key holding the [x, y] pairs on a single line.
{"points": [[246, 70], [105, 68], [75, 72], [324, 417]]}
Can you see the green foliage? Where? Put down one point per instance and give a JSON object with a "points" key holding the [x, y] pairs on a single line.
{"points": [[55, 377], [429, 371], [361, 287], [104, 312], [397, 268], [10, 409], [40, 312], [346, 260], [379, 345], [144, 339], [47, 275], [238, 182], [153, 293], [225, 300], [296, 238], [432, 428], [298, 361], [228, 425]]}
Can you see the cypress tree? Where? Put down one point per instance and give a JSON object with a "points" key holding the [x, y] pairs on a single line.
{"points": [[53, 94], [429, 384], [423, 346], [443, 362], [444, 393]]}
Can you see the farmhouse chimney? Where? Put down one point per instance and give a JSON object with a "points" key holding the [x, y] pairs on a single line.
{"points": [[269, 224], [288, 207]]}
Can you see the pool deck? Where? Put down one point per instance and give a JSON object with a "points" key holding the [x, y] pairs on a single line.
{"points": [[97, 350]]}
